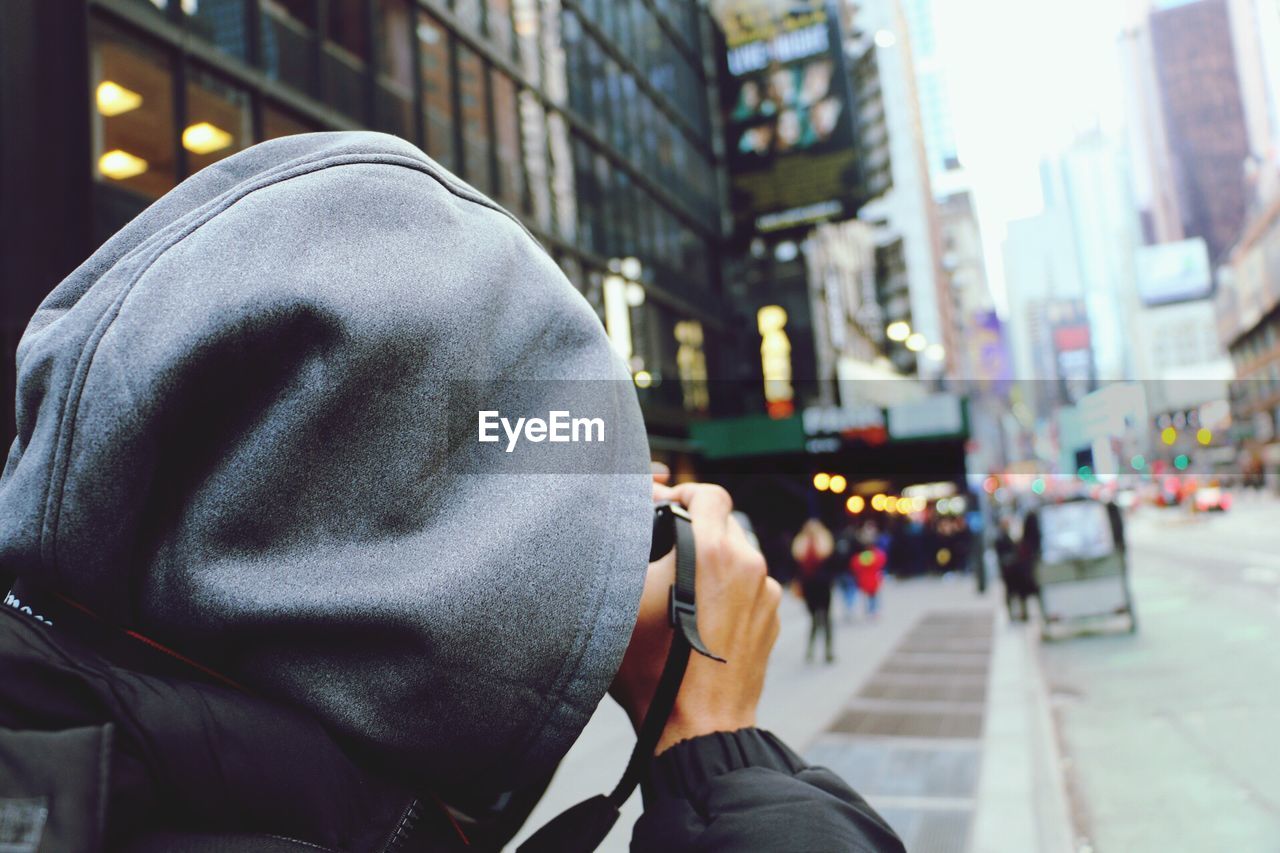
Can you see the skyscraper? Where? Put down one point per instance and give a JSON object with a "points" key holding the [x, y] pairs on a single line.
{"points": [[910, 235], [1198, 105], [945, 170]]}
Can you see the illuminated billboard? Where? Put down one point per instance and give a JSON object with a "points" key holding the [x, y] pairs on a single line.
{"points": [[788, 109], [1173, 272]]}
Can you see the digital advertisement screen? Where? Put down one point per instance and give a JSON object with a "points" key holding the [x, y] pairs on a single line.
{"points": [[788, 113]]}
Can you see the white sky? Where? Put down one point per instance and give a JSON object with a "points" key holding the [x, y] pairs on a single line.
{"points": [[1024, 77]]}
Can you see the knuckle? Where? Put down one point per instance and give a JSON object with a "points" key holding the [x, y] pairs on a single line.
{"points": [[720, 495], [754, 565], [773, 593], [720, 552]]}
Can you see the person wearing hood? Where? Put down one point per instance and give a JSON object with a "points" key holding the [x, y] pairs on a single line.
{"points": [[278, 588]]}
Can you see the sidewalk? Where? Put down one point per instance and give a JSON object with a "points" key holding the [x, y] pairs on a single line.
{"points": [[935, 712]]}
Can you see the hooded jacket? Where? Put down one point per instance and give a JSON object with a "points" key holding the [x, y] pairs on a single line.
{"points": [[247, 429]]}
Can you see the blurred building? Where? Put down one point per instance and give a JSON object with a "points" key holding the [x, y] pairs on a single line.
{"points": [[848, 328], [806, 146], [915, 285], [977, 360], [591, 121], [1249, 326], [946, 173], [1202, 116], [971, 302], [1042, 271]]}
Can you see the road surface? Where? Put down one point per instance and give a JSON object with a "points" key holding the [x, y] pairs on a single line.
{"points": [[1171, 738]]}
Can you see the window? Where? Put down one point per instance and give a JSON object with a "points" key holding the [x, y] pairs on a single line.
{"points": [[511, 191], [157, 6], [288, 40], [501, 31], [587, 200], [220, 22], [573, 271], [564, 198], [477, 141], [277, 122], [218, 122], [394, 105], [525, 21], [437, 90], [604, 226], [346, 53], [469, 13], [537, 160], [133, 126]]}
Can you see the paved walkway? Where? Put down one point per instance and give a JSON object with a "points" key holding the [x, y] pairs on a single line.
{"points": [[934, 711]]}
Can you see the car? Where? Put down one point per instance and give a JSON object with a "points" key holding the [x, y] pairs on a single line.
{"points": [[1211, 499]]}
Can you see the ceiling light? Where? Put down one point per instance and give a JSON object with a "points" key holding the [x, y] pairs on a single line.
{"points": [[205, 138], [120, 165], [114, 99]]}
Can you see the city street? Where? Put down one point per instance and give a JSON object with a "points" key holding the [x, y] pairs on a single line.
{"points": [[1165, 740], [1171, 736], [871, 724]]}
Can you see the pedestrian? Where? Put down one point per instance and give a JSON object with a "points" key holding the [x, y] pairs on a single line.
{"points": [[848, 543], [1018, 564], [276, 594], [867, 568], [812, 549], [1007, 559]]}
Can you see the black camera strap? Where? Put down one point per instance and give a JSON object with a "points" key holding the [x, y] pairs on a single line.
{"points": [[584, 826]]}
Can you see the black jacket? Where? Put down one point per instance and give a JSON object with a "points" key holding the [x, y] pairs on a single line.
{"points": [[746, 790], [98, 755]]}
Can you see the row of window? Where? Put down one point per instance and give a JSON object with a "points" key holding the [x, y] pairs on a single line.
{"points": [[671, 69], [1259, 344], [504, 141], [611, 101], [159, 116], [326, 58]]}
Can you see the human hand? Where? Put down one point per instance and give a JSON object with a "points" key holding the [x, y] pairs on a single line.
{"points": [[737, 619]]}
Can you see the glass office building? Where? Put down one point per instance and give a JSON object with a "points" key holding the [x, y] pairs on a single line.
{"points": [[588, 119]]}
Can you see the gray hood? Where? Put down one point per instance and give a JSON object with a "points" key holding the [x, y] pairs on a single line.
{"points": [[247, 428]]}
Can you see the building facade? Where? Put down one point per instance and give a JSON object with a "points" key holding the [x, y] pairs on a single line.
{"points": [[915, 286], [588, 119], [1248, 313], [1193, 96]]}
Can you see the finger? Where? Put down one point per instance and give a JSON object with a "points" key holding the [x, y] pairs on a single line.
{"points": [[708, 496], [738, 534], [662, 493], [709, 507], [768, 599], [661, 473]]}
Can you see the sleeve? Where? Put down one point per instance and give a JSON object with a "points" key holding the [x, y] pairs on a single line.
{"points": [[746, 790]]}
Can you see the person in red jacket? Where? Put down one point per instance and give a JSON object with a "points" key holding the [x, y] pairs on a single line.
{"points": [[867, 567]]}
